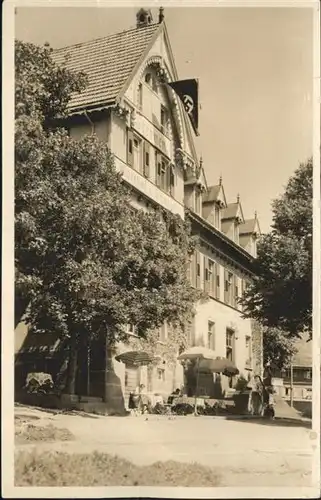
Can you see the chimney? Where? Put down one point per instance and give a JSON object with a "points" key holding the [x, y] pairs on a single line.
{"points": [[144, 18], [161, 15]]}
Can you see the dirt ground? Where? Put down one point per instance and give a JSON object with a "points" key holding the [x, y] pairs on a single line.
{"points": [[242, 452]]}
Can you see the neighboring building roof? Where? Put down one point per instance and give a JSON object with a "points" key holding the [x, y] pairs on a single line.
{"points": [[108, 62]]}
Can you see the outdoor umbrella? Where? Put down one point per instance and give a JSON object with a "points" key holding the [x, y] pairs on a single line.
{"points": [[219, 365], [199, 354], [139, 358]]}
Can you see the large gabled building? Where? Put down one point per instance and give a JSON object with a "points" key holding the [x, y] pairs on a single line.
{"points": [[129, 105]]}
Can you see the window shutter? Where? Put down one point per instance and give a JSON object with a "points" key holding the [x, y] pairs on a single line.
{"points": [[198, 270], [217, 280], [130, 145], [146, 159]]}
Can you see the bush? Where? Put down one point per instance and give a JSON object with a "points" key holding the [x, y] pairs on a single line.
{"points": [[99, 469], [27, 433], [183, 409]]}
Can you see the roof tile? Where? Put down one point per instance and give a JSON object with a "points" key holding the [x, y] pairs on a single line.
{"points": [[107, 62]]}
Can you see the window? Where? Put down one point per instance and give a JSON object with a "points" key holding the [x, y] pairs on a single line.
{"points": [[190, 332], [146, 160], [134, 148], [150, 80], [236, 290], [229, 291], [217, 281], [308, 374], [209, 276], [165, 174], [236, 232], [198, 270], [230, 344], [137, 153], [161, 374], [164, 120], [217, 217], [211, 335]]}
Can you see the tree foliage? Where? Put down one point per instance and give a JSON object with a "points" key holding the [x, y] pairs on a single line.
{"points": [[281, 294], [278, 348], [87, 263]]}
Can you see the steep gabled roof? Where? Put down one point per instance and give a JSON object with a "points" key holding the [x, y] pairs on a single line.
{"points": [[108, 63], [250, 226], [215, 194], [232, 211]]}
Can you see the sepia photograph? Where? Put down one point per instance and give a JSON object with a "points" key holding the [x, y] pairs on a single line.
{"points": [[165, 176]]}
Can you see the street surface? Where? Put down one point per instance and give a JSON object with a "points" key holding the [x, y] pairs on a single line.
{"points": [[244, 452]]}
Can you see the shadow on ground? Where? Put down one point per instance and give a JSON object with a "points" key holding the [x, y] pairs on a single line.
{"points": [[279, 422]]}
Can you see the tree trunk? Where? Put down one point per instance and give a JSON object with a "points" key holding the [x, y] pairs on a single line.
{"points": [[72, 366]]}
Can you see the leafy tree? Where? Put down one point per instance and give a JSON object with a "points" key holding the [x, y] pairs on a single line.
{"points": [[86, 262], [281, 294], [278, 348]]}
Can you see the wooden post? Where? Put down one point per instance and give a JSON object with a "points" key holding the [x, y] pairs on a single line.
{"points": [[291, 384]]}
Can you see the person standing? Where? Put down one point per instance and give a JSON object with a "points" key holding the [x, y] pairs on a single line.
{"points": [[256, 397]]}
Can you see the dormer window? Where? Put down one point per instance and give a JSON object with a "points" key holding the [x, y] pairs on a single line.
{"points": [[198, 201], [236, 232], [217, 218]]}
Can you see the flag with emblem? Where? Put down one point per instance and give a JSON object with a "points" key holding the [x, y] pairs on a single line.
{"points": [[187, 91]]}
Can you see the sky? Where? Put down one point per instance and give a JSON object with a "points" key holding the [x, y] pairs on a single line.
{"points": [[255, 71]]}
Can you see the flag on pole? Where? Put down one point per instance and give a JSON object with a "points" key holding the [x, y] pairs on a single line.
{"points": [[187, 91]]}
